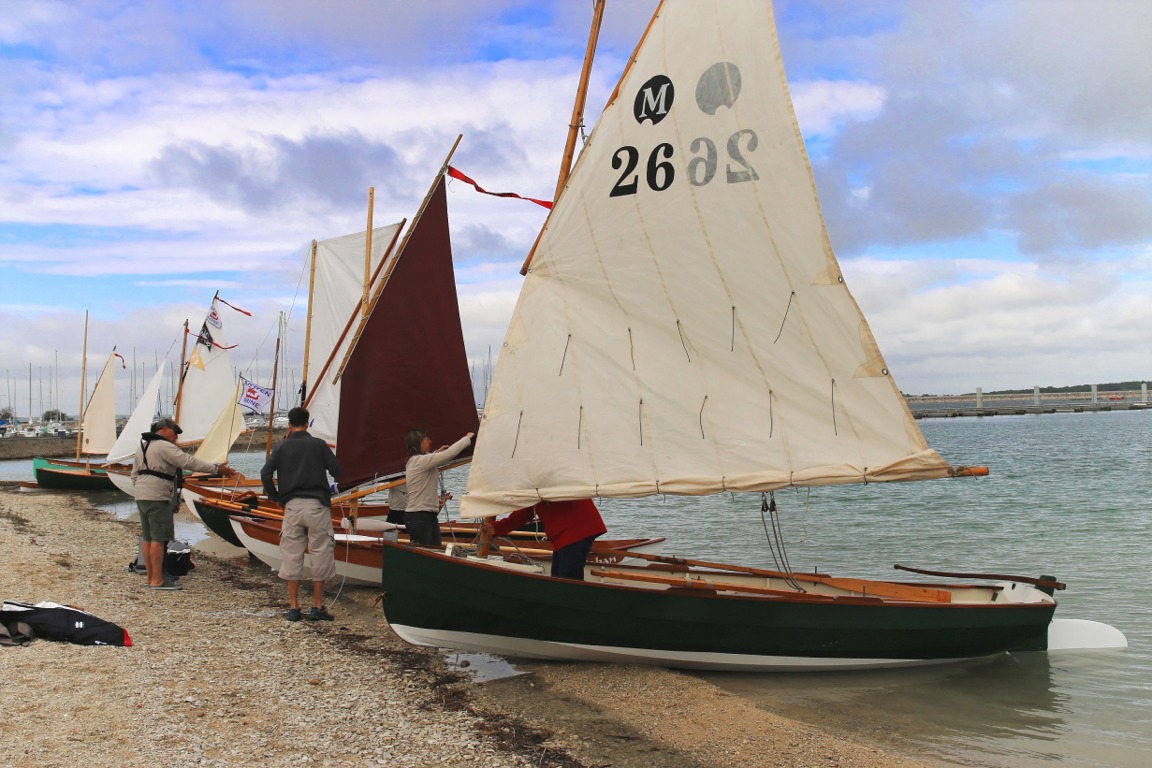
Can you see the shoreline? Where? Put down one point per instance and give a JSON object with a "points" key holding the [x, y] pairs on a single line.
{"points": [[217, 677]]}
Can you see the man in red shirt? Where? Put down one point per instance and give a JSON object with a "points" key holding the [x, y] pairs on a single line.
{"points": [[571, 526]]}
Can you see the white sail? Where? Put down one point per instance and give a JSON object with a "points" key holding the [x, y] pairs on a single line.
{"points": [[98, 423], [337, 292], [209, 381], [227, 427], [685, 327], [140, 421]]}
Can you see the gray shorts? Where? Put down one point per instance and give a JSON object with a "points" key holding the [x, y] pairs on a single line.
{"points": [[156, 521], [307, 528]]}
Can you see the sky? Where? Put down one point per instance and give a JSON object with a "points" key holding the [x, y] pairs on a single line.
{"points": [[984, 168]]}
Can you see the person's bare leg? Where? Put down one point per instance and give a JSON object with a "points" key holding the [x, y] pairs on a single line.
{"points": [[293, 594], [317, 595], [154, 562]]}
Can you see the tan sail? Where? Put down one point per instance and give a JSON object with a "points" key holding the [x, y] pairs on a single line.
{"points": [[685, 327]]}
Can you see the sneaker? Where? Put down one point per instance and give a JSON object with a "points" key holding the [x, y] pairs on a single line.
{"points": [[319, 614], [168, 586], [293, 614]]}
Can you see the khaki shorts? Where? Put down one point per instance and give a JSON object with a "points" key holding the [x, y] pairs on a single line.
{"points": [[156, 521], [307, 528]]}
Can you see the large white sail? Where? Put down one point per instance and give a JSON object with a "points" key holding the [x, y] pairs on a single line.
{"points": [[338, 289], [684, 327], [227, 427], [140, 421], [98, 424]]}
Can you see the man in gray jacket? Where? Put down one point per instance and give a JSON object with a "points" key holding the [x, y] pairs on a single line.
{"points": [[156, 476]]}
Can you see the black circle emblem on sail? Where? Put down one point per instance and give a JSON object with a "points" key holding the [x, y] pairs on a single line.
{"points": [[719, 86], [654, 99]]}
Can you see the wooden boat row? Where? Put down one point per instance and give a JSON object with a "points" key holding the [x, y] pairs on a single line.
{"points": [[359, 557]]}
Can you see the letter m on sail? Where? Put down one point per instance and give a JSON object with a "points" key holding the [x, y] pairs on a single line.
{"points": [[654, 101]]}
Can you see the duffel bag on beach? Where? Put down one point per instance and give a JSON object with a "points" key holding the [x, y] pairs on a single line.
{"points": [[52, 621], [177, 559]]}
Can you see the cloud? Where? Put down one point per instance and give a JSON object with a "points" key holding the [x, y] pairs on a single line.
{"points": [[327, 171]]}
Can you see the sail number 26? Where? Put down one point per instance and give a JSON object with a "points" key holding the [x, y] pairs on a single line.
{"points": [[660, 173]]}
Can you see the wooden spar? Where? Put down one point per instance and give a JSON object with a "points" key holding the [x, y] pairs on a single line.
{"points": [[612, 98], [83, 385], [367, 490], [392, 263], [307, 329], [581, 96], [1044, 583], [368, 252], [704, 584], [376, 280], [272, 402], [180, 377], [873, 588], [972, 472]]}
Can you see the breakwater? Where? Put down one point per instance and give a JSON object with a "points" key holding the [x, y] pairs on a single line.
{"points": [[978, 404]]}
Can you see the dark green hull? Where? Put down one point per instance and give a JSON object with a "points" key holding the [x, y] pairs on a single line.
{"points": [[70, 477], [451, 602], [216, 520]]}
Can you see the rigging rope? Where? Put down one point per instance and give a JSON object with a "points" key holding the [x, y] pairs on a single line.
{"points": [[776, 539]]}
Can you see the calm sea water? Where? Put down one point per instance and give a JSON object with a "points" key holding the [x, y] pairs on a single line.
{"points": [[1068, 496]]}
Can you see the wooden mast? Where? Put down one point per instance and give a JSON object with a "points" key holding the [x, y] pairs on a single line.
{"points": [[307, 331], [180, 377], [577, 114], [368, 252], [275, 370], [83, 385]]}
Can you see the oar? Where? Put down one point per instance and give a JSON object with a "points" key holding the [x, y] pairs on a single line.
{"points": [[1047, 583], [867, 587], [705, 584]]}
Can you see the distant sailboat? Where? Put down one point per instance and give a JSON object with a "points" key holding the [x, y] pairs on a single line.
{"points": [[95, 435], [206, 401], [684, 329]]}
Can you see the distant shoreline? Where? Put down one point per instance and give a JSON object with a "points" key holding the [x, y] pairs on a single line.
{"points": [[52, 447]]}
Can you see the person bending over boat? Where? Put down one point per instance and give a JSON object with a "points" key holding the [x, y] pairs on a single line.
{"points": [[571, 526], [296, 477], [422, 473], [156, 473]]}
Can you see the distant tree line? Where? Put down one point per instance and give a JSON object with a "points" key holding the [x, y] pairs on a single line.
{"points": [[1122, 386]]}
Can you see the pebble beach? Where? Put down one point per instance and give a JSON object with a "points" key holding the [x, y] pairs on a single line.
{"points": [[215, 676]]}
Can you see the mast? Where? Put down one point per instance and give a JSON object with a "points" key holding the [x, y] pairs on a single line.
{"points": [[83, 384], [368, 252], [180, 380], [577, 112], [307, 331], [275, 370], [581, 96]]}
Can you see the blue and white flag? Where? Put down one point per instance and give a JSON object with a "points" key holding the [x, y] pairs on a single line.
{"points": [[253, 396]]}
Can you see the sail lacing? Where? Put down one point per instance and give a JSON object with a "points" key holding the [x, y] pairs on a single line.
{"points": [[783, 319], [565, 355], [775, 538]]}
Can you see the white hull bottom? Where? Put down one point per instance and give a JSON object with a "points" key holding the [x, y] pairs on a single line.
{"points": [[1063, 635], [720, 662], [269, 554]]}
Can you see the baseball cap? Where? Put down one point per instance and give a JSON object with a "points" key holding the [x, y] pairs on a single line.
{"points": [[170, 423]]}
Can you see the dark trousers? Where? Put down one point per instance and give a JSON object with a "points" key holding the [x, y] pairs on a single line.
{"points": [[568, 562], [423, 528]]}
